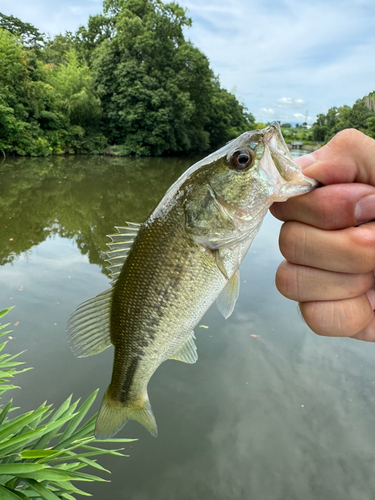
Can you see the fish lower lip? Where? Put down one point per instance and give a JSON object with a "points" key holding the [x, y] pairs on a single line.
{"points": [[297, 188]]}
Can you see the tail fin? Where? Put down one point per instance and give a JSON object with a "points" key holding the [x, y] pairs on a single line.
{"points": [[113, 415]]}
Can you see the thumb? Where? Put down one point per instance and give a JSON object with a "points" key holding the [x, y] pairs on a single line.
{"points": [[348, 157]]}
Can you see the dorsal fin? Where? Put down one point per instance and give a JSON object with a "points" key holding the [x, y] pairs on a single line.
{"points": [[119, 247]]}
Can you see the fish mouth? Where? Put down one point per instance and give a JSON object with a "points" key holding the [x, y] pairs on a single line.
{"points": [[288, 175]]}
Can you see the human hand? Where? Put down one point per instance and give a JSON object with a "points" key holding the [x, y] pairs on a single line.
{"points": [[328, 241]]}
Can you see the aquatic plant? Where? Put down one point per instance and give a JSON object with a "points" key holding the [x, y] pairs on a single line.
{"points": [[43, 451]]}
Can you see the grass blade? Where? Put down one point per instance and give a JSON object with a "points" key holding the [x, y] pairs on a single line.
{"points": [[7, 494], [81, 413], [41, 490]]}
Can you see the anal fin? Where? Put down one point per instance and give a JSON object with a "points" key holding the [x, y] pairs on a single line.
{"points": [[187, 352]]}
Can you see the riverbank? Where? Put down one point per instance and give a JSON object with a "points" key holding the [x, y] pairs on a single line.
{"points": [[306, 147]]}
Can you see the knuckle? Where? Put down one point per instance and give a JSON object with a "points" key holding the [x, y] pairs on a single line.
{"points": [[290, 240], [361, 240], [348, 137], [328, 211], [312, 316], [359, 283], [286, 281]]}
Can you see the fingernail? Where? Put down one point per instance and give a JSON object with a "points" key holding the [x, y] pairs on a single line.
{"points": [[305, 160], [365, 209]]}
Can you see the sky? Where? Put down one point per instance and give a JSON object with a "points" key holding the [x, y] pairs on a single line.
{"points": [[286, 60]]}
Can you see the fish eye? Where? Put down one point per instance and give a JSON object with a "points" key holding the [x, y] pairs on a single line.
{"points": [[242, 159]]}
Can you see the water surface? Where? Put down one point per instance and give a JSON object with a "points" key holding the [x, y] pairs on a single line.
{"points": [[269, 411]]}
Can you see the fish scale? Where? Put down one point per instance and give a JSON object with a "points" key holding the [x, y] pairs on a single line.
{"points": [[167, 271]]}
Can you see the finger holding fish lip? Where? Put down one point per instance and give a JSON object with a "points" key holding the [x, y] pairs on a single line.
{"points": [[330, 243], [337, 206], [345, 168]]}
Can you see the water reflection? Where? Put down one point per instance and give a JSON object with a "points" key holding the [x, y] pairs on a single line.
{"points": [[78, 198], [283, 415]]}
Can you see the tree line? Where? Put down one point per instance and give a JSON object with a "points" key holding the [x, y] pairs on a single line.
{"points": [[360, 116], [126, 83]]}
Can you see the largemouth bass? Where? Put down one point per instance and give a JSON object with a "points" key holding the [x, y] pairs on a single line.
{"points": [[168, 271]]}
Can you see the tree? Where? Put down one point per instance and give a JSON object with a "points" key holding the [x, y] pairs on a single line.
{"points": [[29, 35], [228, 118], [358, 116], [56, 49], [157, 90], [371, 126], [45, 108], [129, 79]]}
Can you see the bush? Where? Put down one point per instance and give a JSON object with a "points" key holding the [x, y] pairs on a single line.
{"points": [[43, 451]]}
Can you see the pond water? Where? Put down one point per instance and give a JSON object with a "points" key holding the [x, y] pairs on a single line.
{"points": [[269, 411]]}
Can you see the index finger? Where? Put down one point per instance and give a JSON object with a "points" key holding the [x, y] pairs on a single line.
{"points": [[330, 207], [348, 157]]}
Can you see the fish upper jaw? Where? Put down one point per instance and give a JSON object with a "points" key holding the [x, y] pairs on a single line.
{"points": [[281, 169]]}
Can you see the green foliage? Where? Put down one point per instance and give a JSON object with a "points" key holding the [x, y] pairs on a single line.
{"points": [[298, 134], [359, 116], [43, 451], [56, 50], [29, 35], [46, 108], [371, 126], [228, 117], [157, 90], [129, 79]]}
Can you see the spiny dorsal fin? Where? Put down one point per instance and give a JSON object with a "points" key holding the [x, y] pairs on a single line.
{"points": [[119, 247], [88, 327], [227, 299], [187, 352]]}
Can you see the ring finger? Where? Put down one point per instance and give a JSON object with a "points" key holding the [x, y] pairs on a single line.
{"points": [[302, 283]]}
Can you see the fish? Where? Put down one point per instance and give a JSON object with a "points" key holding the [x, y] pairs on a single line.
{"points": [[167, 271]]}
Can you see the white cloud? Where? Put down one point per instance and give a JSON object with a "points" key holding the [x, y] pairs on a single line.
{"points": [[288, 101], [266, 111]]}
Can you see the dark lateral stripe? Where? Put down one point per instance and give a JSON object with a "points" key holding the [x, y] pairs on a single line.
{"points": [[124, 394]]}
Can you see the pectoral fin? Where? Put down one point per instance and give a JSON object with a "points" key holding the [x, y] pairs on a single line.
{"points": [[228, 297], [220, 263], [187, 352]]}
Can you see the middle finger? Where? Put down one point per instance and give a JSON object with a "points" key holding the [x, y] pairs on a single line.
{"points": [[350, 250]]}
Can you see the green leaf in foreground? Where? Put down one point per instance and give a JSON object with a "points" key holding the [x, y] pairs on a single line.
{"points": [[28, 469]]}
